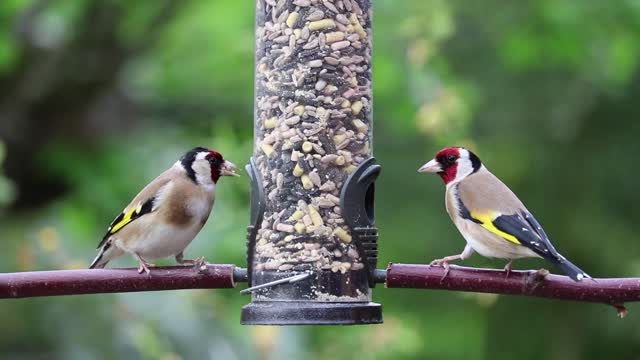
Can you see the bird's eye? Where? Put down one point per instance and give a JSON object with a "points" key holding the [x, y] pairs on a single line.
{"points": [[451, 158]]}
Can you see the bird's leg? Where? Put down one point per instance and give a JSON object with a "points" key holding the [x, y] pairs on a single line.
{"points": [[144, 265], [182, 261], [444, 262], [508, 267], [197, 262]]}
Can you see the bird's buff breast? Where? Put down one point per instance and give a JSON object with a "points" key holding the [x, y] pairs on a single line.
{"points": [[155, 240], [480, 239], [489, 244], [159, 240]]}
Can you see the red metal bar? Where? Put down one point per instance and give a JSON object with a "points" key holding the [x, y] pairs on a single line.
{"points": [[527, 283], [75, 282]]}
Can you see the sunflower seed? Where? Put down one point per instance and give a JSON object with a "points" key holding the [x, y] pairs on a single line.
{"points": [[313, 123]]}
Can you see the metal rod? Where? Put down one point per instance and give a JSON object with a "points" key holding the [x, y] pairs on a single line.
{"points": [[525, 283], [240, 275], [75, 282], [290, 279]]}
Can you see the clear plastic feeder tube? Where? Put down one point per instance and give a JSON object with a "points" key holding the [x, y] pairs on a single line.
{"points": [[313, 129]]}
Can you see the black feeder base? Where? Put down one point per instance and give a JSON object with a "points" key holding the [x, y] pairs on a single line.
{"points": [[310, 313]]}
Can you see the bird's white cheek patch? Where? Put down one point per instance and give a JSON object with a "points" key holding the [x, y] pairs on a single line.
{"points": [[465, 168]]}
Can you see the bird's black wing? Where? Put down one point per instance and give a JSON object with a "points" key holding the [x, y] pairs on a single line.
{"points": [[127, 217], [527, 230]]}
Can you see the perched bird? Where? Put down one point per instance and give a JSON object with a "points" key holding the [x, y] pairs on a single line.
{"points": [[168, 213], [490, 217]]}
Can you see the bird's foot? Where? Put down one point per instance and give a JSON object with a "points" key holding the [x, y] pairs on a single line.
{"points": [[444, 262], [195, 261], [199, 263], [508, 268], [144, 266]]}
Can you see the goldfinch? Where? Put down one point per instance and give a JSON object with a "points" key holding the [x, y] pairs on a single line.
{"points": [[490, 217], [168, 213]]}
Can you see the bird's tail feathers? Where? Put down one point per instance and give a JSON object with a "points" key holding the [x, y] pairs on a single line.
{"points": [[571, 270], [98, 263], [106, 253]]}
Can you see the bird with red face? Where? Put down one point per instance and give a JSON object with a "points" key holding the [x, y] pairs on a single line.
{"points": [[168, 213], [490, 217]]}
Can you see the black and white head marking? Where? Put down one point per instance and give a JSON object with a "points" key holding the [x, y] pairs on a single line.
{"points": [[189, 158], [467, 163]]}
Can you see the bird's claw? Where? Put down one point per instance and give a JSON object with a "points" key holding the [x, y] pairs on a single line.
{"points": [[200, 264], [446, 271], [444, 264], [438, 262], [144, 267], [508, 268]]}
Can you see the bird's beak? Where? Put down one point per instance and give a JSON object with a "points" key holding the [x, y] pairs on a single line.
{"points": [[432, 166], [229, 169]]}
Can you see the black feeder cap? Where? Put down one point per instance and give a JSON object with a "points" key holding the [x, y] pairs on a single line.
{"points": [[321, 297]]}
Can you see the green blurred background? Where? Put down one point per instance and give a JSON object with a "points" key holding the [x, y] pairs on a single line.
{"points": [[97, 97]]}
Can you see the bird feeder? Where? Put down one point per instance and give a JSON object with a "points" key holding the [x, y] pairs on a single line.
{"points": [[312, 241]]}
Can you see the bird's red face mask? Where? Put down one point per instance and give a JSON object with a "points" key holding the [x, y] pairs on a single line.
{"points": [[444, 164], [219, 166]]}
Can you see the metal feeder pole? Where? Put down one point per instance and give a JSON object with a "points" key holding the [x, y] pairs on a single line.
{"points": [[312, 241]]}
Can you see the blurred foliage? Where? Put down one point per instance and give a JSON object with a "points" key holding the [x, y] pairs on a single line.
{"points": [[7, 192], [97, 97]]}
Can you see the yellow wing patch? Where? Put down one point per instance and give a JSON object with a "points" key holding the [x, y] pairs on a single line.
{"points": [[126, 218], [487, 222]]}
